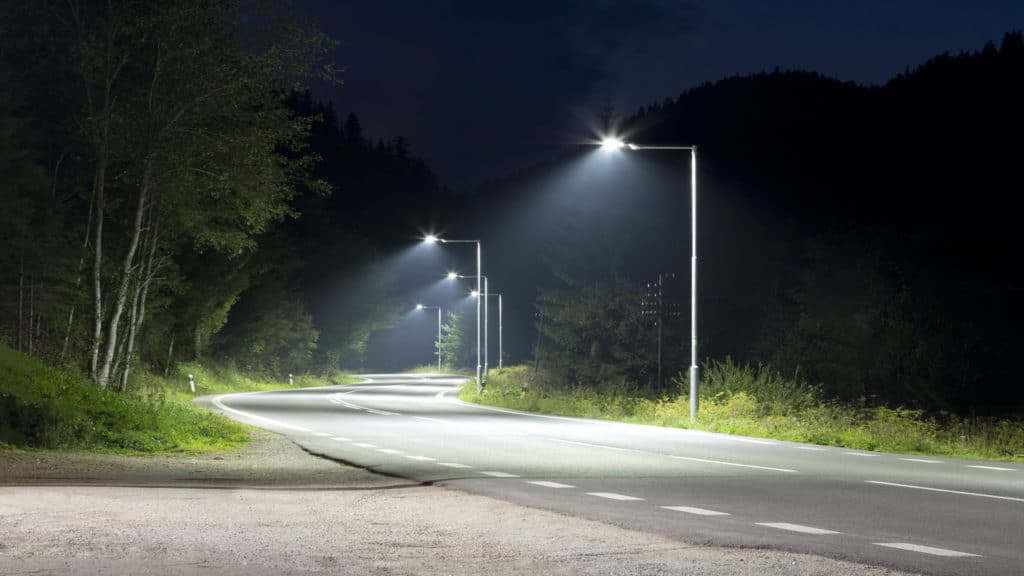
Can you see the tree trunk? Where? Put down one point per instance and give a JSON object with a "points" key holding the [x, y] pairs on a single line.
{"points": [[170, 355], [139, 299], [97, 264], [21, 299], [122, 291]]}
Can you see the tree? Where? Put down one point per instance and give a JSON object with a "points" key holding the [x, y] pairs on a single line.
{"points": [[452, 346]]}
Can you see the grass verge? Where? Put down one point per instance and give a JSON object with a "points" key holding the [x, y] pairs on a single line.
{"points": [[755, 401], [42, 407]]}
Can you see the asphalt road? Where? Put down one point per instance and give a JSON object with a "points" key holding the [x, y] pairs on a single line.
{"points": [[928, 514]]}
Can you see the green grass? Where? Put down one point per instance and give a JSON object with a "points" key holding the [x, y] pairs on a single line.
{"points": [[755, 401], [42, 407]]}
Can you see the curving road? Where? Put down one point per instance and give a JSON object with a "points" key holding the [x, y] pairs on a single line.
{"points": [[928, 514]]}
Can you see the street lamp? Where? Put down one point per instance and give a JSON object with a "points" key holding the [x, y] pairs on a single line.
{"points": [[501, 353], [486, 293], [612, 143], [438, 308], [432, 239]]}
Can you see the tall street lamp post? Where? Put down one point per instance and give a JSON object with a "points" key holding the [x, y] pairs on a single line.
{"points": [[486, 293], [438, 308], [617, 144], [434, 239]]}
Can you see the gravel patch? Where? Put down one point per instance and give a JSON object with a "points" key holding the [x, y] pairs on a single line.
{"points": [[274, 509]]}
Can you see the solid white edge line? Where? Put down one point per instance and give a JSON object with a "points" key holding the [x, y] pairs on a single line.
{"points": [[862, 454], [922, 460], [219, 404], [944, 490], [697, 511], [926, 549], [613, 496], [549, 484], [814, 448], [797, 528]]}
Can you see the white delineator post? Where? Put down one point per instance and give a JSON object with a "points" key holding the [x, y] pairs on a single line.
{"points": [[192, 383]]}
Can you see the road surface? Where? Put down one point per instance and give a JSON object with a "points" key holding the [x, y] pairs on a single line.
{"points": [[935, 515]]}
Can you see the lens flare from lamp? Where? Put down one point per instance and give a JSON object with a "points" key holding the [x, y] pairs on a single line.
{"points": [[452, 275], [430, 239], [419, 306], [612, 143]]}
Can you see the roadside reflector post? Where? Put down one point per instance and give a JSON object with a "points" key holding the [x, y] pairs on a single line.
{"points": [[192, 383], [290, 382]]}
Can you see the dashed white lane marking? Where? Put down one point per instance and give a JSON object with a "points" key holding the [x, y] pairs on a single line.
{"points": [[389, 451], [861, 454], [381, 412], [341, 439], [548, 484], [454, 465], [320, 434], [365, 445], [926, 549], [814, 448], [613, 496], [217, 402], [797, 528], [697, 511], [980, 495], [732, 464], [618, 449], [500, 474], [997, 468], [420, 458], [922, 460]]}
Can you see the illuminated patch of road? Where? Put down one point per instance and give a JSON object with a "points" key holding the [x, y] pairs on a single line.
{"points": [[499, 474], [341, 439], [797, 528], [945, 491], [926, 549], [454, 465], [420, 458], [364, 445]]}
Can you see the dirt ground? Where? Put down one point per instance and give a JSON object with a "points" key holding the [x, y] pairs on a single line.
{"points": [[274, 509]]}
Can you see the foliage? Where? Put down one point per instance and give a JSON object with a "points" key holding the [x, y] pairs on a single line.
{"points": [[44, 407], [452, 346], [759, 402]]}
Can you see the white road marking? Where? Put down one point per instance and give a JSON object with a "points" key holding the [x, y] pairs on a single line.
{"points": [[500, 474], [421, 458], [732, 464], [797, 528], [616, 448], [454, 465], [926, 549], [381, 412], [217, 402], [613, 496], [922, 460], [389, 451], [992, 468], [697, 511], [814, 448], [980, 495], [320, 434], [548, 484], [365, 445], [341, 439], [431, 419], [862, 454]]}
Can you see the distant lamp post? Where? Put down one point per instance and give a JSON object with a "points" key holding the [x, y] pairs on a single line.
{"points": [[612, 143], [476, 294], [438, 308], [432, 239], [501, 328]]}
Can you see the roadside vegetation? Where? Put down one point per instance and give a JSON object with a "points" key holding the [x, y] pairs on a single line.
{"points": [[757, 401], [60, 408]]}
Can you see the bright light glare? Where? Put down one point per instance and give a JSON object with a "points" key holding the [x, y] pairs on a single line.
{"points": [[474, 293], [419, 306], [612, 143], [430, 238], [452, 275]]}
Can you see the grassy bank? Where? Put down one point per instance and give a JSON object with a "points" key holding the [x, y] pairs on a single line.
{"points": [[45, 407], [754, 401]]}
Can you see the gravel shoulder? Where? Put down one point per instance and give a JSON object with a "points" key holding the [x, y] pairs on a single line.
{"points": [[272, 508]]}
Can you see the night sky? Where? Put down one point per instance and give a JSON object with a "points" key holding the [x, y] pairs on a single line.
{"points": [[481, 89]]}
